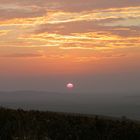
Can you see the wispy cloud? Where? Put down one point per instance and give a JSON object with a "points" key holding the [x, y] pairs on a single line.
{"points": [[64, 26], [4, 32], [22, 55]]}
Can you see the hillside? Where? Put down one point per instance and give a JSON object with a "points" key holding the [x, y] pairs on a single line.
{"points": [[39, 125]]}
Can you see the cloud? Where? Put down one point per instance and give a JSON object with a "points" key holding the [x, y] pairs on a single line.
{"points": [[7, 13], [58, 17], [64, 26], [93, 41], [76, 48], [82, 5], [74, 6], [22, 55], [4, 32], [83, 27], [109, 17]]}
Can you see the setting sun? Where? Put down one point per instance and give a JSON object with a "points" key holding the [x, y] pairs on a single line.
{"points": [[70, 85]]}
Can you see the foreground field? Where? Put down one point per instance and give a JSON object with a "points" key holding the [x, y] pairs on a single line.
{"points": [[37, 125]]}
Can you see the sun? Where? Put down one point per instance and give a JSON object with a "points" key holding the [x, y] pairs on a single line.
{"points": [[70, 85]]}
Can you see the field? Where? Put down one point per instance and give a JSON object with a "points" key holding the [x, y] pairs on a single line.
{"points": [[44, 125]]}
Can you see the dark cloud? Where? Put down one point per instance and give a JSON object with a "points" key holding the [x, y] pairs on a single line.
{"points": [[90, 26], [20, 13], [82, 5], [127, 31], [70, 27], [75, 5], [42, 6]]}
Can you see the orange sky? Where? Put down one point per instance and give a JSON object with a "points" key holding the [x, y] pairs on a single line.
{"points": [[65, 36]]}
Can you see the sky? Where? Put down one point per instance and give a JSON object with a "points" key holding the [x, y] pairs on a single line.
{"points": [[45, 44]]}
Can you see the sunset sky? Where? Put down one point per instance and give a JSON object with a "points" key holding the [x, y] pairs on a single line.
{"points": [[95, 44]]}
